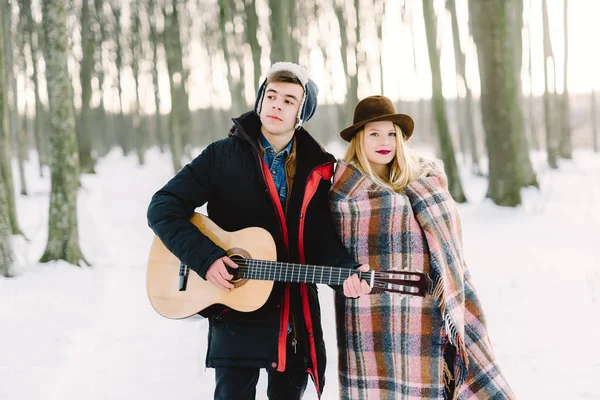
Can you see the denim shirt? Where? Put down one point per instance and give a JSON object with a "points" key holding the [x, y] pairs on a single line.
{"points": [[276, 164]]}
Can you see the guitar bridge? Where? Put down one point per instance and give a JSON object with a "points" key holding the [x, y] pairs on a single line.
{"points": [[183, 277]]}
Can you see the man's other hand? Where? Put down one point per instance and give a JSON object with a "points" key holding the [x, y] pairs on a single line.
{"points": [[355, 287], [218, 275]]}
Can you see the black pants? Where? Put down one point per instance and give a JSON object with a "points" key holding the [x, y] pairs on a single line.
{"points": [[239, 383]]}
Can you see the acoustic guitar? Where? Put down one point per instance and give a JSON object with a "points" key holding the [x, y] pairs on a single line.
{"points": [[177, 292]]}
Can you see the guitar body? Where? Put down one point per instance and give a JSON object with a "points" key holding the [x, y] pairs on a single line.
{"points": [[163, 280]]}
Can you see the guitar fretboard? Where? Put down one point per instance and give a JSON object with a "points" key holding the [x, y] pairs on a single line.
{"points": [[289, 272]]}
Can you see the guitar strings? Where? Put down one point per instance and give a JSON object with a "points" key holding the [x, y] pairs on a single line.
{"points": [[381, 280], [405, 288], [327, 270]]}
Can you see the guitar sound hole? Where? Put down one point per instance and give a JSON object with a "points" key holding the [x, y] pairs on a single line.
{"points": [[235, 271], [237, 255]]}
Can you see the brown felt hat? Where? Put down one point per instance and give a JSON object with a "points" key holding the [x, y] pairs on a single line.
{"points": [[377, 108]]}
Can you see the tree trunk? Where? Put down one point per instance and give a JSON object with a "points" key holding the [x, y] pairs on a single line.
{"points": [[280, 30], [180, 112], [86, 162], [33, 38], [5, 157], [527, 174], [252, 38], [533, 133], [155, 42], [21, 145], [101, 129], [466, 114], [295, 17], [565, 149], [350, 66], [63, 236], [421, 122], [13, 110], [228, 45], [122, 129], [549, 107], [492, 24], [380, 15], [136, 54], [6, 254], [446, 147], [20, 133]]}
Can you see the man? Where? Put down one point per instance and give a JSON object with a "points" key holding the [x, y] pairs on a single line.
{"points": [[269, 173]]}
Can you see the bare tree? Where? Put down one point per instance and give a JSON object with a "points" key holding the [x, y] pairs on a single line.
{"points": [[252, 39], [565, 146], [281, 30], [136, 55], [33, 38], [5, 133], [101, 39], [21, 131], [232, 53], [63, 235], [549, 105], [379, 14], [6, 254], [528, 177], [346, 20], [439, 109], [533, 133], [421, 118], [86, 160], [466, 112], [180, 113], [492, 23], [155, 43], [122, 129], [12, 93]]}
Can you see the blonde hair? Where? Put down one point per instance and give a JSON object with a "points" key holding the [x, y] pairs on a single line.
{"points": [[404, 167]]}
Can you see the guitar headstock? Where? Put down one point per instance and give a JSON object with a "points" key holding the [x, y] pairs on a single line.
{"points": [[406, 282]]}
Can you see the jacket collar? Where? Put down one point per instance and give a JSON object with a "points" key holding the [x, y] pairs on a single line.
{"points": [[247, 127]]}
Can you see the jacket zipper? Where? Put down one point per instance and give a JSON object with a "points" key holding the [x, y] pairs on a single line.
{"points": [[294, 336]]}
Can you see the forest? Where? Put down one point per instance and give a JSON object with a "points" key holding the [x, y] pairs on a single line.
{"points": [[83, 78]]}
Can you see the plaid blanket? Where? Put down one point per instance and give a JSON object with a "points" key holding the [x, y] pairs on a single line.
{"points": [[402, 347]]}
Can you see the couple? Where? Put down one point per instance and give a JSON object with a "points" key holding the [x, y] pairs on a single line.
{"points": [[387, 210]]}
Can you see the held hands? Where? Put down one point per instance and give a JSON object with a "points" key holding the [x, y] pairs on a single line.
{"points": [[218, 275], [354, 287]]}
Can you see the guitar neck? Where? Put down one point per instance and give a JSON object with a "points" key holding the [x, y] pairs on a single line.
{"points": [[289, 272], [406, 282]]}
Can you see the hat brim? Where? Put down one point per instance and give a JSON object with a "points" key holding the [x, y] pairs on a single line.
{"points": [[405, 122]]}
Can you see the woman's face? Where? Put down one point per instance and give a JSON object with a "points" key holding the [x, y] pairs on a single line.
{"points": [[379, 144]]}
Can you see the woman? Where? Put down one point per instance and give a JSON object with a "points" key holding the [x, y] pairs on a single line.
{"points": [[393, 211]]}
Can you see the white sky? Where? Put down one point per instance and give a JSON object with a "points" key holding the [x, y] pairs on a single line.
{"points": [[69, 333]]}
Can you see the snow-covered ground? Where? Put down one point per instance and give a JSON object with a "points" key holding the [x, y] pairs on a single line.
{"points": [[90, 333]]}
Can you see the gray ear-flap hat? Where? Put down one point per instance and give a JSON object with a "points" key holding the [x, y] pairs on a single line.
{"points": [[308, 104]]}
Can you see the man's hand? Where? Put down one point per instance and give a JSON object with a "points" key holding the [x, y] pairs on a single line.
{"points": [[218, 275], [354, 287]]}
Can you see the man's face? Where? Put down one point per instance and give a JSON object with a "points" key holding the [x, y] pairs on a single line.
{"points": [[280, 108]]}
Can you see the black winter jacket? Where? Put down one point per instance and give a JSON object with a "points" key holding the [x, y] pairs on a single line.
{"points": [[230, 176]]}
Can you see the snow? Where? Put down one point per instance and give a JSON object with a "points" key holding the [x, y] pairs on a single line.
{"points": [[90, 333]]}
